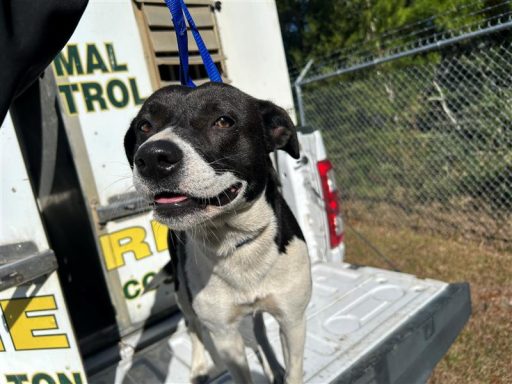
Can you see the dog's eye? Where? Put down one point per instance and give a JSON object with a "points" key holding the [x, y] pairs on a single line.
{"points": [[145, 127], [223, 122]]}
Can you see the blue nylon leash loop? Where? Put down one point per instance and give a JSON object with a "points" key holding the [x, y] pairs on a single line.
{"points": [[181, 36], [211, 68], [177, 9]]}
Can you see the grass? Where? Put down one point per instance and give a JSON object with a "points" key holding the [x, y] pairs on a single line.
{"points": [[483, 351]]}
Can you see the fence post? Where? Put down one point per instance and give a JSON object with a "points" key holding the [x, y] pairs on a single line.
{"points": [[298, 91]]}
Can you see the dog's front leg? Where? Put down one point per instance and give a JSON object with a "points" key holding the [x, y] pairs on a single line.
{"points": [[274, 371], [231, 348], [199, 364], [293, 335]]}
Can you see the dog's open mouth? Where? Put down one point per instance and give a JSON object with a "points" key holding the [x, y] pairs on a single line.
{"points": [[178, 200]]}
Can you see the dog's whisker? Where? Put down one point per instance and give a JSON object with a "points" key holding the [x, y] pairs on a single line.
{"points": [[222, 159], [212, 230], [118, 180]]}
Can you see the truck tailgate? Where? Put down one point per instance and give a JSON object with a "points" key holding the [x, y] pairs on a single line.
{"points": [[364, 325]]}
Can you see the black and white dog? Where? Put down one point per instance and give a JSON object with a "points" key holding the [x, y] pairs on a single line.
{"points": [[201, 156]]}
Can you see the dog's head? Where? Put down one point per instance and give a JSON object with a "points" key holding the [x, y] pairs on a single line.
{"points": [[197, 153]]}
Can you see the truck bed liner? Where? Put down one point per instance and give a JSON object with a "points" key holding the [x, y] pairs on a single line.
{"points": [[364, 325]]}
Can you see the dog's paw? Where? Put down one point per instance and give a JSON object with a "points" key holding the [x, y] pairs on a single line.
{"points": [[200, 379], [199, 373], [278, 375]]}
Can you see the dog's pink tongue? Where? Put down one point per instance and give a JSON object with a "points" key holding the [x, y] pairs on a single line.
{"points": [[170, 200]]}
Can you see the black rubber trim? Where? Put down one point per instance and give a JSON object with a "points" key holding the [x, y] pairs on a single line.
{"points": [[410, 354], [123, 206], [17, 269]]}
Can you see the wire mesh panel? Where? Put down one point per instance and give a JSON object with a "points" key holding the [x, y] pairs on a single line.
{"points": [[422, 136]]}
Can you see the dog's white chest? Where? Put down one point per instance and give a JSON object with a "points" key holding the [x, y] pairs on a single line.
{"points": [[250, 280]]}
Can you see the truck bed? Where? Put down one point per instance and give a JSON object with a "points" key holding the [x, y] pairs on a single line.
{"points": [[365, 325]]}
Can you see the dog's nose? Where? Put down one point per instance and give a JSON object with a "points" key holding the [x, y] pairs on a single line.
{"points": [[158, 159]]}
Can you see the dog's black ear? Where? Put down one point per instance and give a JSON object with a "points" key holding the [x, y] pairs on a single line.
{"points": [[280, 132], [129, 145]]}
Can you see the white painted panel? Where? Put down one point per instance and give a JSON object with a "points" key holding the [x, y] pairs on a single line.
{"points": [[36, 337], [131, 255], [110, 49], [251, 40], [36, 334], [107, 22], [19, 216]]}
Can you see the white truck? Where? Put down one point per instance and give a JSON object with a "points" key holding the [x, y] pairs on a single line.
{"points": [[77, 246]]}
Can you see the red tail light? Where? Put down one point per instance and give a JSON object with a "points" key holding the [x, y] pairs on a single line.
{"points": [[332, 202]]}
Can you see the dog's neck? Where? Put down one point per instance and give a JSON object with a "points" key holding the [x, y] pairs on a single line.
{"points": [[223, 236]]}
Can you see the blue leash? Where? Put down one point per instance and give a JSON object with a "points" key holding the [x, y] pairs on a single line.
{"points": [[178, 9]]}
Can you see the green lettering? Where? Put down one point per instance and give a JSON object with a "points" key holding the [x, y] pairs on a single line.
{"points": [[63, 379], [16, 379], [147, 279], [126, 289], [135, 92], [70, 64], [94, 60], [40, 378], [93, 93], [113, 60], [67, 90], [114, 84]]}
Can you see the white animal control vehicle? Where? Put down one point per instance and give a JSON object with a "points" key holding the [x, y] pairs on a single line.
{"points": [[77, 246]]}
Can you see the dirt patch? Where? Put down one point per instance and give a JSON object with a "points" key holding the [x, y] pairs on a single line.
{"points": [[481, 354]]}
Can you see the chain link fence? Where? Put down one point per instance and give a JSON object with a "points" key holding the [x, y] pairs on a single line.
{"points": [[420, 130]]}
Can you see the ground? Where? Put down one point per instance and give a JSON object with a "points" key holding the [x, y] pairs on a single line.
{"points": [[482, 352]]}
